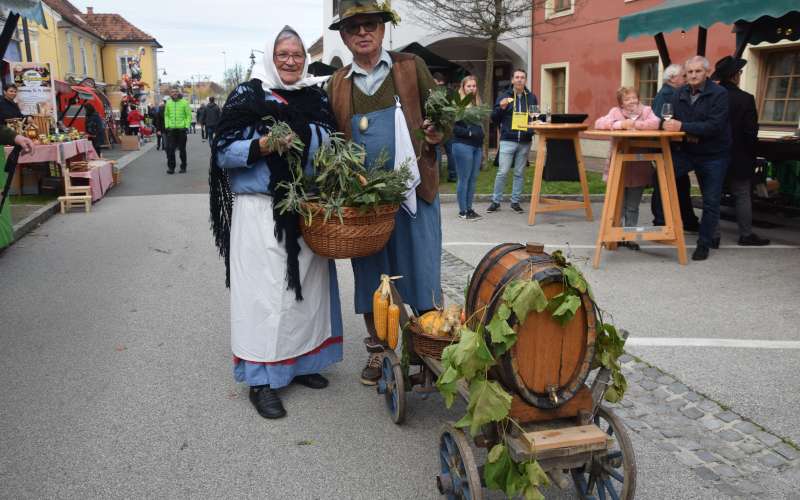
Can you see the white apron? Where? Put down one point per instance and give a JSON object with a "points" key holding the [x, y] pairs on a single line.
{"points": [[267, 323]]}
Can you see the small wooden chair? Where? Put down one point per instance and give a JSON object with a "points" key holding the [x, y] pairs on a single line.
{"points": [[74, 195]]}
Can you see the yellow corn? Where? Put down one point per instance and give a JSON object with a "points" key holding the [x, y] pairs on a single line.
{"points": [[393, 325], [380, 307]]}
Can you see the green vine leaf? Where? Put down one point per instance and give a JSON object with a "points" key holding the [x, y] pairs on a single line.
{"points": [[488, 402], [502, 335], [568, 305], [531, 297], [575, 279], [501, 473], [471, 355]]}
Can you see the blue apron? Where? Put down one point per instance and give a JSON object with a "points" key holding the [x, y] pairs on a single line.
{"points": [[414, 250]]}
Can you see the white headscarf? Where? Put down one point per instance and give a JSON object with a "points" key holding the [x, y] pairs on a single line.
{"points": [[267, 72]]}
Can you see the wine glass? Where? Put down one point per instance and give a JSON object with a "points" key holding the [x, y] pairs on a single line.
{"points": [[533, 112], [546, 112], [666, 111]]}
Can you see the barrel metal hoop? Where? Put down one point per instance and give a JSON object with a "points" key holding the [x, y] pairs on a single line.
{"points": [[473, 291]]}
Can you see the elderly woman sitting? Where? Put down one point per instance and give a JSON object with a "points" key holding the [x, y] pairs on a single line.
{"points": [[286, 320], [630, 114]]}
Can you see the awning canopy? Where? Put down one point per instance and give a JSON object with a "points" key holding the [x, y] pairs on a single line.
{"points": [[434, 61], [30, 9], [769, 29], [686, 14]]}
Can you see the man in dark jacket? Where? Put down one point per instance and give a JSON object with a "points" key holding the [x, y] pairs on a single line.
{"points": [[211, 117], [158, 122], [701, 110], [674, 79], [744, 133], [201, 120], [510, 113]]}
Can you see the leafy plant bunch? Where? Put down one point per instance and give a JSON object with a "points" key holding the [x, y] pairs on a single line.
{"points": [[472, 357], [443, 109], [341, 180]]}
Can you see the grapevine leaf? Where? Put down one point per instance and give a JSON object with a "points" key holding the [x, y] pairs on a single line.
{"points": [[535, 474], [532, 493], [530, 298], [496, 453], [503, 312], [503, 336], [566, 311], [512, 290], [575, 279], [471, 355], [488, 402], [447, 385], [502, 473]]}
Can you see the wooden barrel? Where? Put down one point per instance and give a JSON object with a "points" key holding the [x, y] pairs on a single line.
{"points": [[549, 363]]}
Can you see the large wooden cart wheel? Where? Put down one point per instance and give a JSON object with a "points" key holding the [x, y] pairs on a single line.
{"points": [[611, 474], [392, 386], [459, 477]]}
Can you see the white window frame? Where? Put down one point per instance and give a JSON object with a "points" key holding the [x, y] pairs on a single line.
{"points": [[97, 74], [33, 36], [628, 61], [546, 84], [550, 13], [127, 54], [70, 53], [756, 58]]}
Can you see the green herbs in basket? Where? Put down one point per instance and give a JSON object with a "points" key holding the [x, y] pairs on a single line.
{"points": [[443, 109], [341, 180]]}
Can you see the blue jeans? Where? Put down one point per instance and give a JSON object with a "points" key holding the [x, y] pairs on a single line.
{"points": [[467, 161], [516, 154], [711, 175]]}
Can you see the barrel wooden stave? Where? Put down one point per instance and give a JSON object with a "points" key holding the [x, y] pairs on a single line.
{"points": [[546, 354]]}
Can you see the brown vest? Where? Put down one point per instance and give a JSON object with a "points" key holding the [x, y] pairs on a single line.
{"points": [[404, 73]]}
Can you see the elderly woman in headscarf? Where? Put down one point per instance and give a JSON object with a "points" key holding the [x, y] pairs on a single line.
{"points": [[286, 323]]}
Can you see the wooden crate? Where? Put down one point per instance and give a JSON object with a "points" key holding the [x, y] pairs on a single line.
{"points": [[129, 142]]}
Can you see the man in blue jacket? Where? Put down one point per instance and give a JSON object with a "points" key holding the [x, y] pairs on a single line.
{"points": [[701, 110], [510, 113]]}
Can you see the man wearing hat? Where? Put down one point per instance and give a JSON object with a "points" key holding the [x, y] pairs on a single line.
{"points": [[378, 102], [744, 132]]}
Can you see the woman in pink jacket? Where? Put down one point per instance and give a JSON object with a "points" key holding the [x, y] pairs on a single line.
{"points": [[630, 114]]}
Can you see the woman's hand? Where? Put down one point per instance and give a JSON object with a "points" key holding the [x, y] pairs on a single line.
{"points": [[628, 124], [25, 143], [282, 144]]}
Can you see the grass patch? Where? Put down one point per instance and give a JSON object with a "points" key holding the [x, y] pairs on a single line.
{"points": [[485, 184], [32, 199]]}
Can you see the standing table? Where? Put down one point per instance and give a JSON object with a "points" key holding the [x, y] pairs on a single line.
{"points": [[671, 233], [539, 203]]}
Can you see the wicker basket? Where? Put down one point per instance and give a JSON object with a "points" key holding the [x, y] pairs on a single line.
{"points": [[363, 233], [428, 345]]}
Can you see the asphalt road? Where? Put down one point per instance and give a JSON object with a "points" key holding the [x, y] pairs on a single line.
{"points": [[116, 365]]}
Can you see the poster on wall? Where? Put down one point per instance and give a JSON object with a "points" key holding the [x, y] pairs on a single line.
{"points": [[36, 94]]}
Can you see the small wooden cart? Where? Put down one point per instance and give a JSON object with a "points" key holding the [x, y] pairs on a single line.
{"points": [[579, 439]]}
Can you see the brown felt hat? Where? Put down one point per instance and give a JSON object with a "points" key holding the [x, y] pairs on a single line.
{"points": [[351, 8]]}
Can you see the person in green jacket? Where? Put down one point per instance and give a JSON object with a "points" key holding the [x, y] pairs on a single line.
{"points": [[8, 138], [177, 119]]}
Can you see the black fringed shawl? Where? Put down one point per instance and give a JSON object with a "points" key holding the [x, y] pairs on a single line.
{"points": [[242, 116]]}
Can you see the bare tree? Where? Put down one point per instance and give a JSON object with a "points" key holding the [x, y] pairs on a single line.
{"points": [[490, 20], [233, 77]]}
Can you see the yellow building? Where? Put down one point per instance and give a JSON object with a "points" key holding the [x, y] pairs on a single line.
{"points": [[91, 45]]}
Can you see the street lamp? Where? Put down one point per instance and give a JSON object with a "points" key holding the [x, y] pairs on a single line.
{"points": [[253, 61]]}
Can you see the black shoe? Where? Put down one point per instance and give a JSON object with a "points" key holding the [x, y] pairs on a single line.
{"points": [[170, 172], [372, 372], [700, 253], [462, 215], [494, 207], [312, 380], [753, 240], [183, 169], [267, 402], [473, 215], [452, 179], [692, 227], [515, 207], [715, 243]]}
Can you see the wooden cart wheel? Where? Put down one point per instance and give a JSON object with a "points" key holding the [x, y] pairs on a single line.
{"points": [[459, 477], [611, 474], [392, 386]]}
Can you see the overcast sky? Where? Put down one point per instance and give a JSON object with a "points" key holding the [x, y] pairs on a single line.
{"points": [[194, 33]]}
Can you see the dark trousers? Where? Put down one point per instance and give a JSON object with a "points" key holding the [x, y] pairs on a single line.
{"points": [[176, 138], [711, 176], [684, 188], [210, 133], [160, 141], [202, 131], [451, 161]]}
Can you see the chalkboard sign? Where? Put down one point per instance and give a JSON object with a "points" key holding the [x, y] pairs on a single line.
{"points": [[561, 163]]}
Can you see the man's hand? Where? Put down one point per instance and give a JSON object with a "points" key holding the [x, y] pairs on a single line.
{"points": [[432, 136], [505, 102], [25, 143], [672, 125]]}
